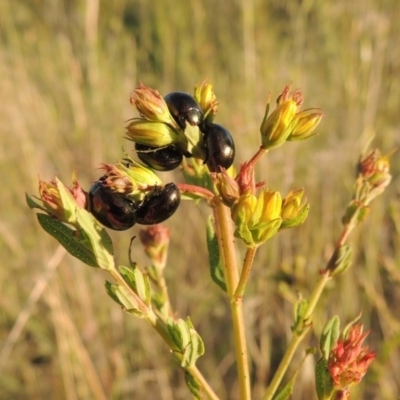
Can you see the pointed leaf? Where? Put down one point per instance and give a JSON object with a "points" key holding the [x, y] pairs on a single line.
{"points": [[341, 260], [33, 202], [299, 311], [111, 291], [67, 237], [130, 301], [329, 336], [67, 200], [138, 281], [194, 385]]}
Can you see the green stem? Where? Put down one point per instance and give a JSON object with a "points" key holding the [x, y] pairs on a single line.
{"points": [[284, 364], [162, 330], [226, 244], [204, 384], [244, 276], [163, 288], [303, 328]]}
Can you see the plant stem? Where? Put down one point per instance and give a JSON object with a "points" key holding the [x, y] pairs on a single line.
{"points": [[204, 384], [284, 364], [160, 326], [244, 276], [261, 151], [226, 244], [303, 328]]}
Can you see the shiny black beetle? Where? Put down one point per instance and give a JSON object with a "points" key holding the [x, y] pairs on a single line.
{"points": [[119, 213], [184, 107], [160, 159], [113, 210], [159, 206], [220, 147]]}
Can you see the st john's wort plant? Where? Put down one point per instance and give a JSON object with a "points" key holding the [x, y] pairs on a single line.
{"points": [[179, 131]]}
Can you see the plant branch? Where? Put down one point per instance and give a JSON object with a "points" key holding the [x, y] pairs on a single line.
{"points": [[226, 244], [244, 276], [285, 362], [304, 326]]}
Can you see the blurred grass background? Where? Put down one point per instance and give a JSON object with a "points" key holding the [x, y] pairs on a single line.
{"points": [[67, 68]]}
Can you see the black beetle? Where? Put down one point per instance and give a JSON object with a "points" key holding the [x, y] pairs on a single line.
{"points": [[111, 209], [184, 107], [160, 159], [159, 205], [220, 147]]}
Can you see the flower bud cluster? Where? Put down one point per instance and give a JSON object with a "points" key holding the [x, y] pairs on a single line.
{"points": [[127, 193], [178, 126], [286, 122], [349, 359]]}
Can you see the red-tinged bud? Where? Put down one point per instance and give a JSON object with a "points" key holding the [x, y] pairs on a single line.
{"points": [[227, 187], [155, 240], [349, 360], [286, 122], [245, 178], [374, 176], [61, 201], [152, 106], [116, 180], [130, 179]]}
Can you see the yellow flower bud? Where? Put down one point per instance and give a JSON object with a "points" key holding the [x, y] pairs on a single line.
{"points": [[243, 210], [293, 212], [275, 128], [257, 219], [304, 124], [205, 96]]}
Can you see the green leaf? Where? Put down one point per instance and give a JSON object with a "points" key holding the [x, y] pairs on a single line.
{"points": [[329, 336], [341, 260], [33, 202], [138, 281], [67, 237], [286, 392], [323, 380], [299, 311], [130, 301], [196, 347], [346, 329], [214, 256], [194, 385], [111, 291], [98, 237], [188, 342]]}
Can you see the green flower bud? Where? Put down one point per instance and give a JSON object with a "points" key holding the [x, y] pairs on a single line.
{"points": [[149, 133]]}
